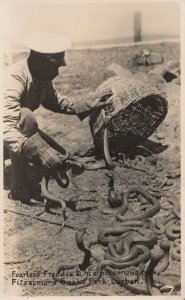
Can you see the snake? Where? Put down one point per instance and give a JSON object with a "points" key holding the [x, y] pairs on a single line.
{"points": [[165, 246], [143, 207], [167, 176], [166, 203], [155, 258], [112, 273], [163, 279], [145, 215], [164, 258], [176, 210], [129, 260], [171, 223], [151, 289], [83, 266], [160, 227], [72, 159], [116, 233], [111, 255], [129, 256], [168, 224], [141, 199], [176, 253], [132, 258], [61, 178], [50, 197], [176, 250], [137, 223], [173, 232], [142, 236], [118, 252], [143, 257], [166, 206], [164, 214], [120, 232], [177, 242], [115, 199], [133, 289], [149, 212], [134, 165]]}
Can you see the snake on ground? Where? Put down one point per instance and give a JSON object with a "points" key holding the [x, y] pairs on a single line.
{"points": [[82, 266]]}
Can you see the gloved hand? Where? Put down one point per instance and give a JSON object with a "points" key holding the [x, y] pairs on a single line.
{"points": [[37, 150], [52, 159], [100, 101]]}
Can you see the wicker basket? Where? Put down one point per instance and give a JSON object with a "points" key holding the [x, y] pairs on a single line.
{"points": [[136, 110]]}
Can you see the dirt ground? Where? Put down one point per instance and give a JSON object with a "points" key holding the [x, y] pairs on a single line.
{"points": [[87, 195]]}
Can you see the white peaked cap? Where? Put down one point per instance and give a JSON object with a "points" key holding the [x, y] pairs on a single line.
{"points": [[44, 42]]}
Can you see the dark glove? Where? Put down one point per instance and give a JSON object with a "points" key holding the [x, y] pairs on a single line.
{"points": [[37, 150], [52, 159]]}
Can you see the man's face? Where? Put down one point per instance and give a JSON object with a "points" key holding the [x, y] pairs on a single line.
{"points": [[47, 65], [54, 62], [57, 59]]}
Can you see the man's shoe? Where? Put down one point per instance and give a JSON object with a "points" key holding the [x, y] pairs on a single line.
{"points": [[25, 196]]}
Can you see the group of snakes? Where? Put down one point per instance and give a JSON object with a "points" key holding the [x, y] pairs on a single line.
{"points": [[132, 241]]}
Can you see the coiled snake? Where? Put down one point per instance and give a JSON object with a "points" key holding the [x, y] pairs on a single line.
{"points": [[150, 212]]}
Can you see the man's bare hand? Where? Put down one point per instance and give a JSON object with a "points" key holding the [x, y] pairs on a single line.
{"points": [[101, 101]]}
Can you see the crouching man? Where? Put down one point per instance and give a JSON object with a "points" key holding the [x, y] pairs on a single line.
{"points": [[28, 84]]}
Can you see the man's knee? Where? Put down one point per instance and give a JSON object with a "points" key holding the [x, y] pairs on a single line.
{"points": [[28, 123]]}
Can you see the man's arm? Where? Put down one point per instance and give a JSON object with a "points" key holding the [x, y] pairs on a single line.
{"points": [[68, 105], [13, 91]]}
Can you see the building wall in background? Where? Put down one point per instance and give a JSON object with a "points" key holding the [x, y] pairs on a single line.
{"points": [[84, 22]]}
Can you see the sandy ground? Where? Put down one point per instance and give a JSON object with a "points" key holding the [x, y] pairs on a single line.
{"points": [[85, 199]]}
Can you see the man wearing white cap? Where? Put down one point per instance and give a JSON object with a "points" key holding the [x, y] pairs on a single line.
{"points": [[27, 85]]}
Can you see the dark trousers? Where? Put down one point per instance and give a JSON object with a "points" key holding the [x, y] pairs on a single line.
{"points": [[28, 125]]}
